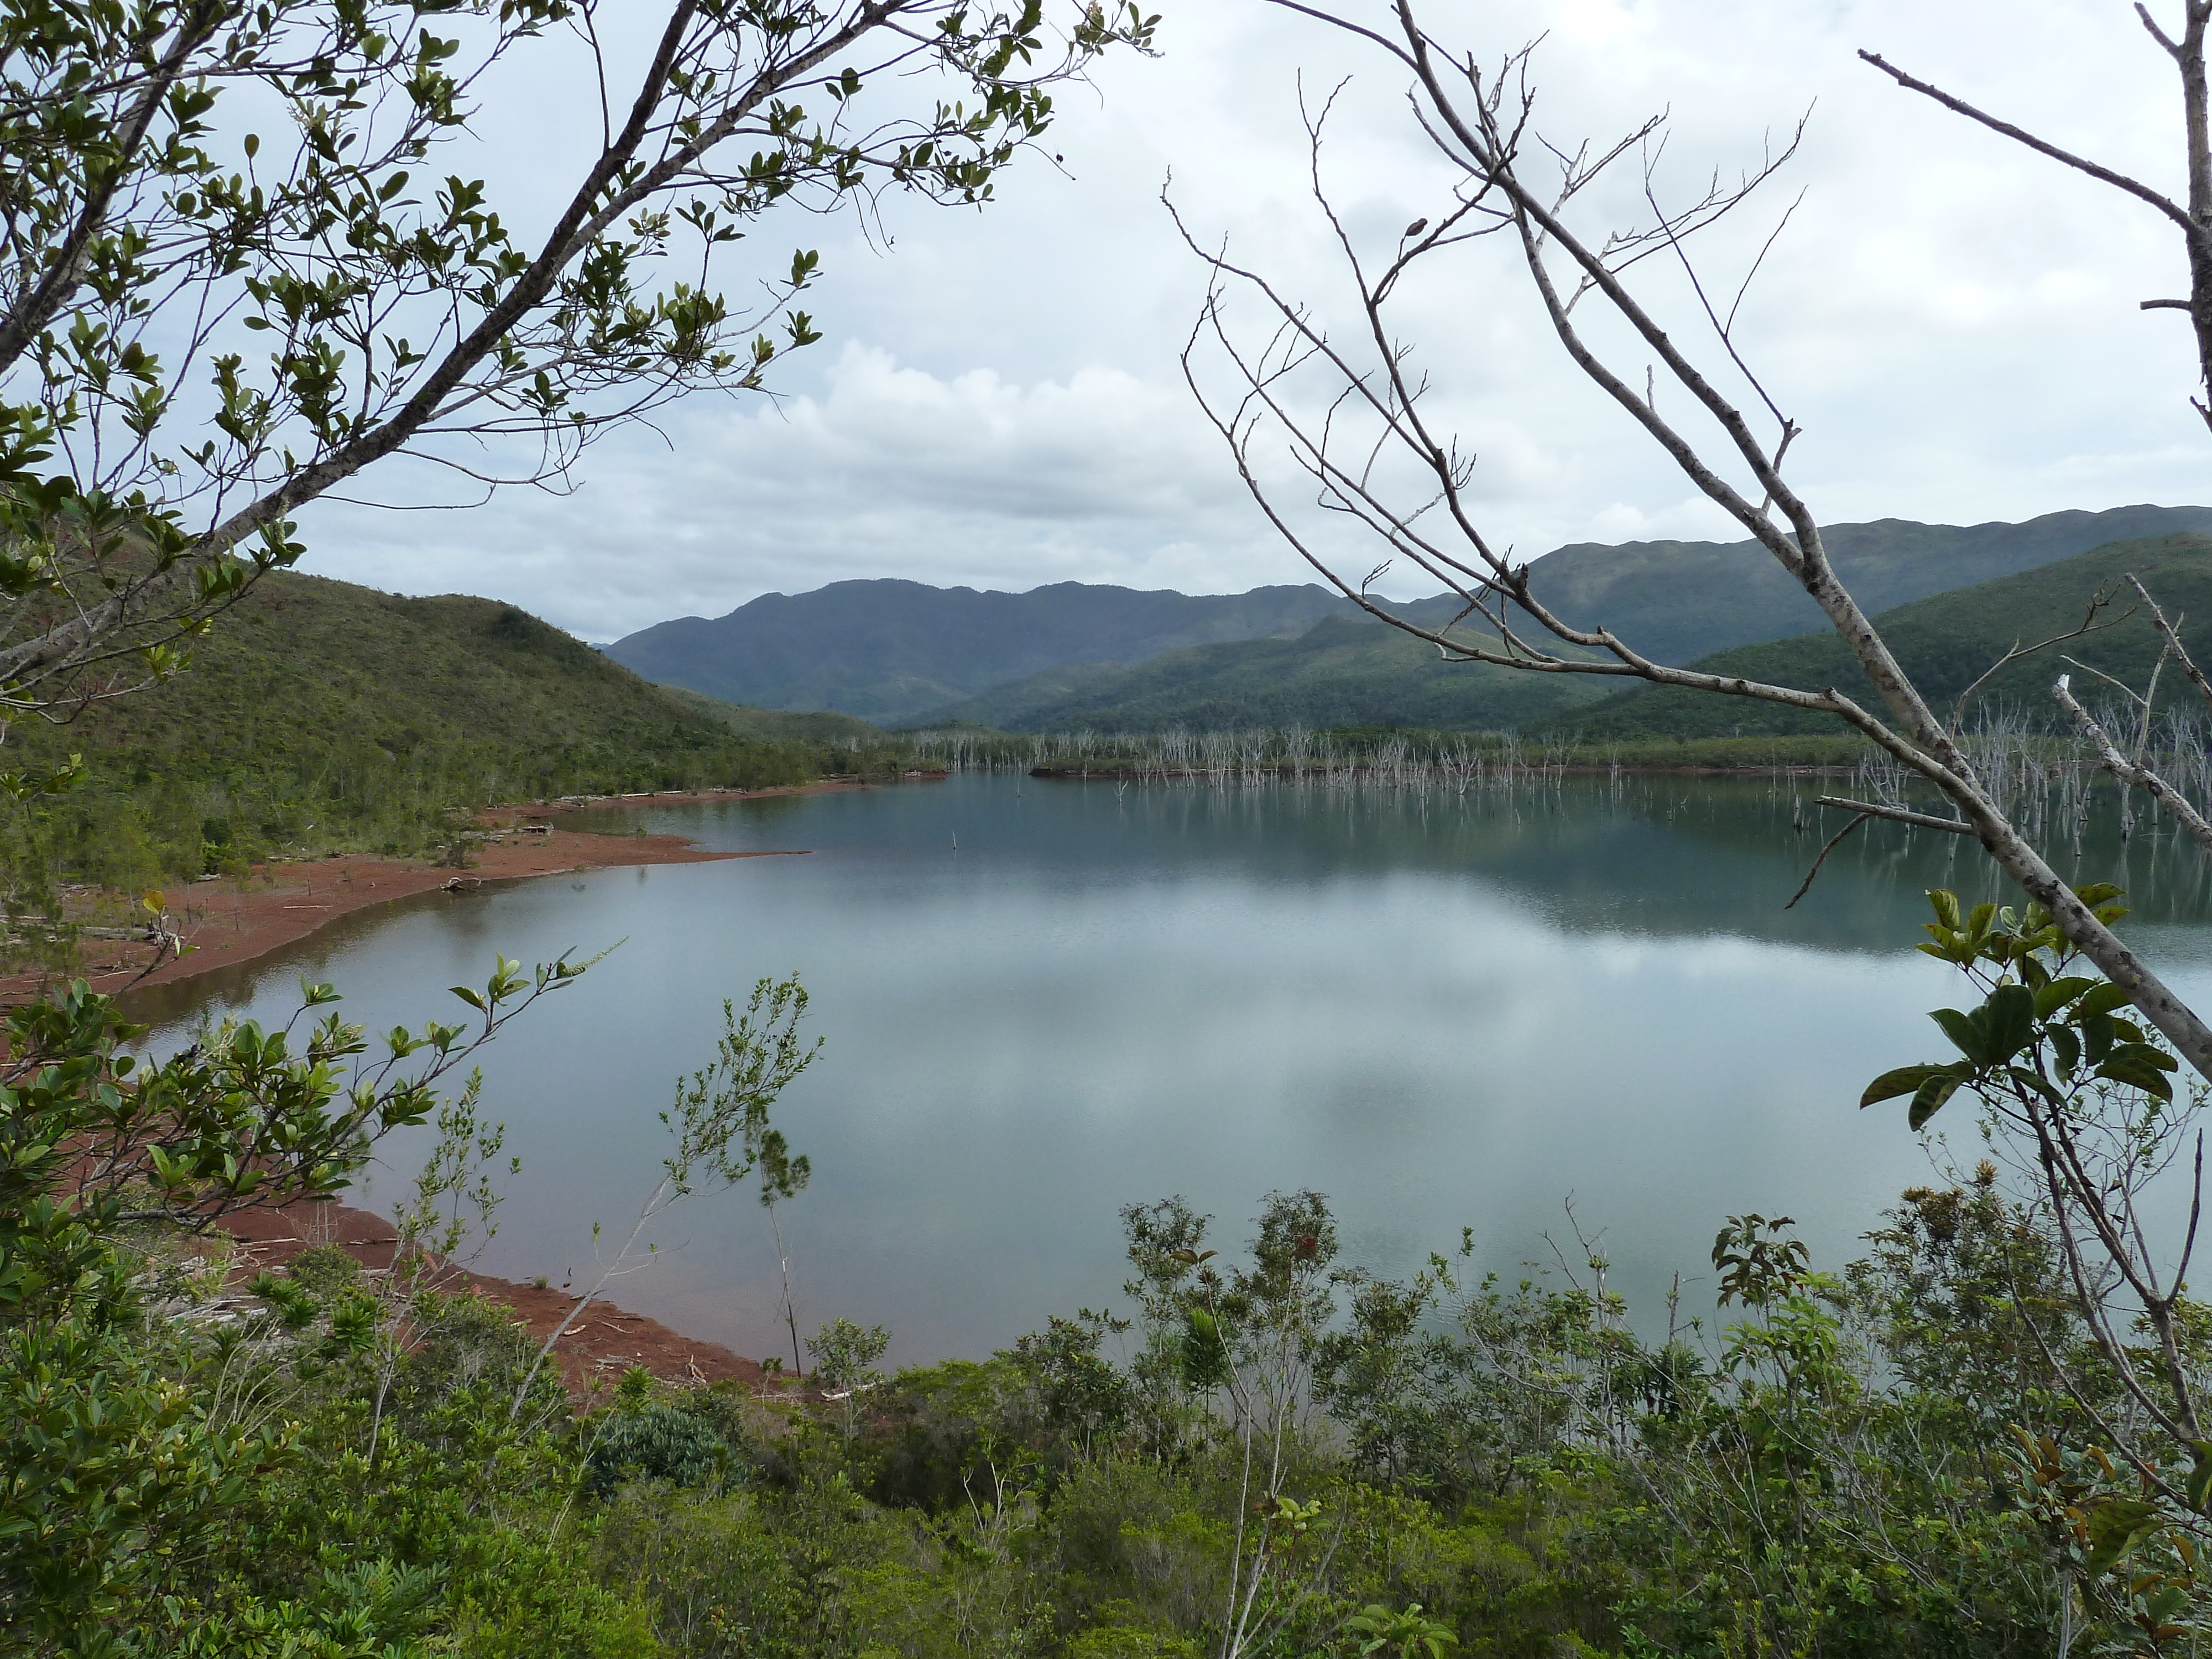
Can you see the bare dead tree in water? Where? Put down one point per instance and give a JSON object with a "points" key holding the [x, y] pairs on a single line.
{"points": [[1377, 459]]}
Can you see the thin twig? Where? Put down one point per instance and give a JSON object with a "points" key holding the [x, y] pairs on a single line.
{"points": [[1806, 886]]}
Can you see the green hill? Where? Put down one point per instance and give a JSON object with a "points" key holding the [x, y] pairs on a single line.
{"points": [[778, 725], [1945, 643], [1343, 671], [319, 715], [1676, 600]]}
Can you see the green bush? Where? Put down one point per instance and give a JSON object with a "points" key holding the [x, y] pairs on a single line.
{"points": [[654, 1442]]}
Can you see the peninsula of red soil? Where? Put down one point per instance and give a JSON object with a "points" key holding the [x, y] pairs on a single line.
{"points": [[592, 1354], [228, 920]]}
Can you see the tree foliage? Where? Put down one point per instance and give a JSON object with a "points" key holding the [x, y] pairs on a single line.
{"points": [[232, 275]]}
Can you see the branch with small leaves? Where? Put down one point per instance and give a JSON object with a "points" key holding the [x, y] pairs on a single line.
{"points": [[93, 1138], [721, 1126]]}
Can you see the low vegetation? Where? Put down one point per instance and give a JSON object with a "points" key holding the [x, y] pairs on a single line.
{"points": [[1939, 1448], [324, 716]]}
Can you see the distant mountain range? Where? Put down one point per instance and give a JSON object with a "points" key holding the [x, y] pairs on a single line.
{"points": [[1946, 643], [890, 651], [1677, 600], [901, 653]]}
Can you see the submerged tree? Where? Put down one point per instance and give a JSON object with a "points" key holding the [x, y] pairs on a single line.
{"points": [[1352, 413], [234, 274]]}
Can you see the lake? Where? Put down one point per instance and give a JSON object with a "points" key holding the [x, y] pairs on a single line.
{"points": [[1044, 1000]]}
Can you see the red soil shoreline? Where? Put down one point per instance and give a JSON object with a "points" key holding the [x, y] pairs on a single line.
{"points": [[229, 921], [592, 1355]]}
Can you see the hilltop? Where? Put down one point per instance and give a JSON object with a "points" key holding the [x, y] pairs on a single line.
{"points": [[319, 715], [1069, 655], [1945, 643]]}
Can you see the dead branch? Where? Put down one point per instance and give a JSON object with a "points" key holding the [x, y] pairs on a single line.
{"points": [[2132, 773]]}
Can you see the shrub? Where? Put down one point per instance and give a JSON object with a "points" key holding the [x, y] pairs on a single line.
{"points": [[654, 1442]]}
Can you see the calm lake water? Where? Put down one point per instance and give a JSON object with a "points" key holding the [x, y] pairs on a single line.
{"points": [[1442, 1013]]}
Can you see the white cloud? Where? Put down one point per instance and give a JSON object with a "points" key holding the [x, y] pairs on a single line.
{"points": [[1952, 320], [889, 471]]}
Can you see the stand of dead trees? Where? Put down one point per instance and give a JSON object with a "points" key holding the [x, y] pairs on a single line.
{"points": [[1369, 444]]}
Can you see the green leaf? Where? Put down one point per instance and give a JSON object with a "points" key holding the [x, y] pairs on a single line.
{"points": [[2101, 999], [2056, 994], [1928, 1098], [1905, 1080], [2038, 1085], [2009, 1023], [2097, 1034], [2200, 1477], [1965, 1033], [2117, 1526], [2069, 1047], [2139, 1065]]}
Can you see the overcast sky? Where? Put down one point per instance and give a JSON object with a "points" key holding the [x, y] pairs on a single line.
{"points": [[998, 401]]}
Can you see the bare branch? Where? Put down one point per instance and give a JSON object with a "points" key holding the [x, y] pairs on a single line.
{"points": [[1834, 840], [2120, 181], [2172, 634], [1897, 814], [2088, 624], [2130, 772]]}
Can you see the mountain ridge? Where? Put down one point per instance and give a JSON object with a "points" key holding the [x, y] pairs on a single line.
{"points": [[902, 653], [888, 649], [1946, 643]]}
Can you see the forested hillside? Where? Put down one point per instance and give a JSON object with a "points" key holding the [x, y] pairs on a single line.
{"points": [[891, 650], [1674, 600], [1345, 671], [1945, 644], [321, 715]]}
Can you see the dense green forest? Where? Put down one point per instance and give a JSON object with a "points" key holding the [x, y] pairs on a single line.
{"points": [[1344, 670], [1946, 644], [319, 716]]}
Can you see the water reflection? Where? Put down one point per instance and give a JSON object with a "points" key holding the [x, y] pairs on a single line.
{"points": [[1439, 1012]]}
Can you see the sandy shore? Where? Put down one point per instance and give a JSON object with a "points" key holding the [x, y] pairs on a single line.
{"points": [[228, 922]]}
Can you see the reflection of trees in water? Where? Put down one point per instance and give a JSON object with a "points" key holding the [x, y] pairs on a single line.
{"points": [[1663, 853], [1646, 852]]}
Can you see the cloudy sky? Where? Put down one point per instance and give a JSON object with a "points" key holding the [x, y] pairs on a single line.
{"points": [[999, 401]]}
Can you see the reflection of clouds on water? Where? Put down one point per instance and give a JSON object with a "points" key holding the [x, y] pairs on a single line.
{"points": [[1455, 1023]]}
